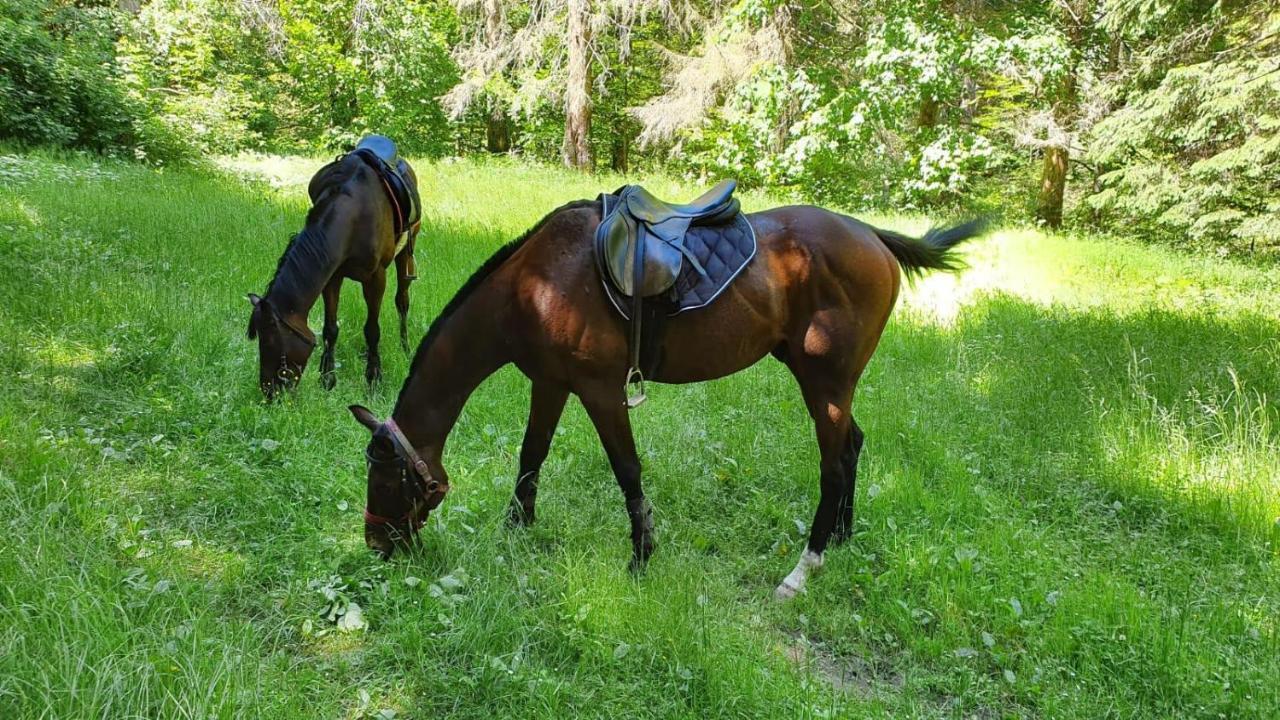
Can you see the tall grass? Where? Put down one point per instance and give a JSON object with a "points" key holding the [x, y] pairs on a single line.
{"points": [[1066, 507]]}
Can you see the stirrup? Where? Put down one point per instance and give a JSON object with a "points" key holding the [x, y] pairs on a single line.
{"points": [[634, 376]]}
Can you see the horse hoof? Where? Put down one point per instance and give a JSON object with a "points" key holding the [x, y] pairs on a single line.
{"points": [[328, 380], [517, 516], [637, 566], [784, 592]]}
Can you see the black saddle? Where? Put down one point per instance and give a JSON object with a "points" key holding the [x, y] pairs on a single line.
{"points": [[682, 256], [380, 153]]}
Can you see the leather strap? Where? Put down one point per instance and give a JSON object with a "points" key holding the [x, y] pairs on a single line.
{"points": [[409, 453], [432, 490], [399, 216]]}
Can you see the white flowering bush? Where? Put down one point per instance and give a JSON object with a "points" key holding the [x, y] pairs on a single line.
{"points": [[947, 163]]}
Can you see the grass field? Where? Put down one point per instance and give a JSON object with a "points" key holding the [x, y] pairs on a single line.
{"points": [[1067, 504]]}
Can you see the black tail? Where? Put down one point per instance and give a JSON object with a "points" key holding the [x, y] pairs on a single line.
{"points": [[934, 250]]}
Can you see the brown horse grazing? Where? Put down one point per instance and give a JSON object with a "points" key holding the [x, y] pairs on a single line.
{"points": [[816, 296], [352, 232]]}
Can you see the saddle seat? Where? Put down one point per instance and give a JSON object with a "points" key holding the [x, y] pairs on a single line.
{"points": [[381, 154], [682, 256], [717, 201], [639, 228]]}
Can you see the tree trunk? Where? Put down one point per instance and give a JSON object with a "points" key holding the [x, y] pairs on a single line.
{"points": [[928, 115], [621, 150], [790, 110], [498, 131], [1053, 176], [1053, 181], [577, 96], [498, 127]]}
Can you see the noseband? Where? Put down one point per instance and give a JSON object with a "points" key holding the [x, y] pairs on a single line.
{"points": [[416, 486]]}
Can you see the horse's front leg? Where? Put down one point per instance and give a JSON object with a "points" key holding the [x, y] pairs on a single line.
{"points": [[374, 288], [545, 409], [608, 412], [331, 293], [405, 275]]}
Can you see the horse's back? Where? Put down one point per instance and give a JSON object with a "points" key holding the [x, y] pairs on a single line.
{"points": [[348, 200]]}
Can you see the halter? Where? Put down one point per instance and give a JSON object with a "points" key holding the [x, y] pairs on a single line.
{"points": [[284, 374], [418, 486]]}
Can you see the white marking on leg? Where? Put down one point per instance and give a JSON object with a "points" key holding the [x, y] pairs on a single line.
{"points": [[793, 584]]}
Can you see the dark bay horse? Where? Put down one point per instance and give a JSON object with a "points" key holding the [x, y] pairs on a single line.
{"points": [[816, 297], [350, 232]]}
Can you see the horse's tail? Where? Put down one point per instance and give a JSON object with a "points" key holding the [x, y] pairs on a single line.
{"points": [[934, 251]]}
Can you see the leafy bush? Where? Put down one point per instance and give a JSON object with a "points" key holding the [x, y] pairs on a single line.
{"points": [[59, 81]]}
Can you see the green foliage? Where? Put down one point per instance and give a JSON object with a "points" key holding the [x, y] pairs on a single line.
{"points": [[1195, 158], [59, 81], [406, 67], [188, 64], [1165, 110]]}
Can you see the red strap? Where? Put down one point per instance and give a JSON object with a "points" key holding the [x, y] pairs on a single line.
{"points": [[371, 519]]}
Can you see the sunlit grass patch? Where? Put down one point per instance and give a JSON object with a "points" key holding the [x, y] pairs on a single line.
{"points": [[1216, 452]]}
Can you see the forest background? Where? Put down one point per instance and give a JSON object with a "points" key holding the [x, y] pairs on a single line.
{"points": [[1157, 119]]}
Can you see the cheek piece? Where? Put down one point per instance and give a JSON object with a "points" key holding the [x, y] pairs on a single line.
{"points": [[416, 482]]}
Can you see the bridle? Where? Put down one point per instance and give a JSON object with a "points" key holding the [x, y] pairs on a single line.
{"points": [[416, 486], [284, 374]]}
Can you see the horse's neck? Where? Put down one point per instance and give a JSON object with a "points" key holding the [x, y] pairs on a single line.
{"points": [[307, 267], [465, 351]]}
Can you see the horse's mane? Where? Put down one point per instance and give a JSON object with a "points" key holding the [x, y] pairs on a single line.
{"points": [[484, 271], [307, 247]]}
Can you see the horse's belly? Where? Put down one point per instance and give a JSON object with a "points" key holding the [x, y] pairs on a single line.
{"points": [[704, 364], [730, 335]]}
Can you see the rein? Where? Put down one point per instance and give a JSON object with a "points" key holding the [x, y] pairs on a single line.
{"points": [[418, 487]]}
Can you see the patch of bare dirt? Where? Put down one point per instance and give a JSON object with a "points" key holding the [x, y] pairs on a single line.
{"points": [[847, 673]]}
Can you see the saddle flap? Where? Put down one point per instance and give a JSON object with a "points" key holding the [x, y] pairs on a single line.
{"points": [[634, 216], [618, 235]]}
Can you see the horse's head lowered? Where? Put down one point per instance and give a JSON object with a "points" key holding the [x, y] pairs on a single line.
{"points": [[283, 348], [402, 488]]}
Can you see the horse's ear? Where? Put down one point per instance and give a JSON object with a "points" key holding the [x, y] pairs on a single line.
{"points": [[365, 417], [253, 326]]}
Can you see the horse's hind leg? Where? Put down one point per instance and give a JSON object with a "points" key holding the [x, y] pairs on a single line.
{"points": [[331, 293], [830, 412], [545, 409], [844, 514], [827, 368], [404, 276], [608, 413], [374, 288]]}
